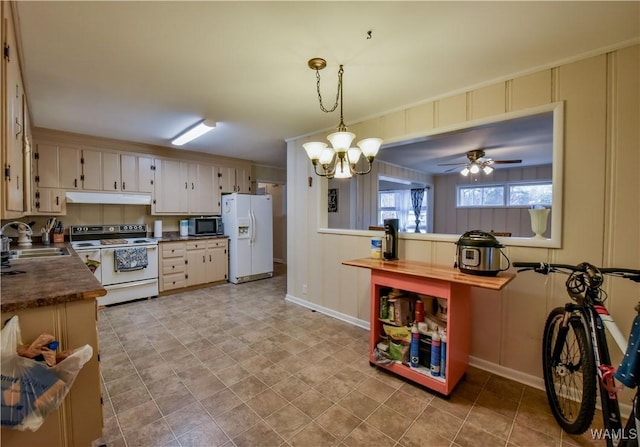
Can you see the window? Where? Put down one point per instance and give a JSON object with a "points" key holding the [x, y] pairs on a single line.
{"points": [[396, 204], [522, 194]]}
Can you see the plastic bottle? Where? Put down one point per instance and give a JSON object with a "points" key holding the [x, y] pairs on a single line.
{"points": [[384, 307], [419, 311], [443, 354], [435, 354], [415, 346]]}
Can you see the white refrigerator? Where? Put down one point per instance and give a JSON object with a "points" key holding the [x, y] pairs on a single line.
{"points": [[248, 222]]}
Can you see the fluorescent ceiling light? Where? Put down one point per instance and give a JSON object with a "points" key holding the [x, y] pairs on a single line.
{"points": [[194, 132]]}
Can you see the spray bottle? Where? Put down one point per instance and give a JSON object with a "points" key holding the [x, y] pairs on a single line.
{"points": [[435, 353], [415, 346]]}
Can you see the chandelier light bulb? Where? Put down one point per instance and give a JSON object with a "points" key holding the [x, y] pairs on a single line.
{"points": [[487, 169], [326, 156], [465, 171], [314, 149], [342, 169], [474, 168], [354, 155], [341, 140]]}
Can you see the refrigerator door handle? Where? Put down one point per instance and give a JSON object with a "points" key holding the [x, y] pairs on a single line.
{"points": [[253, 227]]}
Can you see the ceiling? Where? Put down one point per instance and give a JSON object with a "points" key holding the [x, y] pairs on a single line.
{"points": [[144, 71]]}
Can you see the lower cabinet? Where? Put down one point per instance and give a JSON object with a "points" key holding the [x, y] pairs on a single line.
{"points": [[78, 420], [192, 263]]}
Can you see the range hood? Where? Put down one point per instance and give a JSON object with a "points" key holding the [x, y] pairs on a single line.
{"points": [[108, 198]]}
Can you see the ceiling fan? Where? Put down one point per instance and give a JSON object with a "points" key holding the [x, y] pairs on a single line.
{"points": [[477, 162]]}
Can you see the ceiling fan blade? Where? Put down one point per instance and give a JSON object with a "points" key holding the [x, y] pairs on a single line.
{"points": [[450, 170], [505, 161], [451, 164]]}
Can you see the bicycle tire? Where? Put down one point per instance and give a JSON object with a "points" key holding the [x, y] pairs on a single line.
{"points": [[571, 384]]}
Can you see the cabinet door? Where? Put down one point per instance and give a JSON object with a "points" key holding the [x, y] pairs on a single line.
{"points": [[49, 200], [171, 181], [243, 181], [227, 179], [218, 260], [14, 190], [47, 166], [91, 170], [69, 168], [201, 189], [110, 171], [196, 266], [129, 172], [145, 174]]}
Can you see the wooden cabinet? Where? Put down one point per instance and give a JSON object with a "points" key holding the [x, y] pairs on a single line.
{"points": [[185, 188], [444, 283], [234, 180], [78, 420], [193, 263], [173, 266], [116, 172], [49, 201], [13, 124], [57, 167]]}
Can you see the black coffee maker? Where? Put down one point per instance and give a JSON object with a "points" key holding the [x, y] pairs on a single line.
{"points": [[390, 239]]}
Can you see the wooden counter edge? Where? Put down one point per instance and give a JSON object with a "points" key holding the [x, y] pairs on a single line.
{"points": [[433, 271]]}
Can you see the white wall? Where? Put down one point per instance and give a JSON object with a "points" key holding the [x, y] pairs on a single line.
{"points": [[601, 217]]}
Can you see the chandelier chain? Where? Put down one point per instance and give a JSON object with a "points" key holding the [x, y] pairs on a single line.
{"points": [[335, 106]]}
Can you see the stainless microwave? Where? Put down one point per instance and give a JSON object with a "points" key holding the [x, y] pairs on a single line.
{"points": [[205, 226]]}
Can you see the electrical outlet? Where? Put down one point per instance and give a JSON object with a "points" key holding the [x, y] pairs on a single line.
{"points": [[304, 289]]}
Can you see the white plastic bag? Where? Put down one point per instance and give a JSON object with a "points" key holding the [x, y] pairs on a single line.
{"points": [[31, 390]]}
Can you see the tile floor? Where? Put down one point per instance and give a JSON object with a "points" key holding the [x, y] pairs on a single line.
{"points": [[236, 365]]}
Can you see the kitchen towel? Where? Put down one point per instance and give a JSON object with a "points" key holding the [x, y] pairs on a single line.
{"points": [[157, 229], [128, 259]]}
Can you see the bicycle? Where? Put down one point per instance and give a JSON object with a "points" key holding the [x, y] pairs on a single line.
{"points": [[575, 353]]}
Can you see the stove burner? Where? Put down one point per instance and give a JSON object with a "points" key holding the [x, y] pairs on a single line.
{"points": [[85, 244], [140, 241], [114, 241]]}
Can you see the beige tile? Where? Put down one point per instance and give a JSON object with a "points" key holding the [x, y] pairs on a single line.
{"points": [[232, 374], [290, 388], [421, 435], [260, 435], [209, 435], [504, 405], [376, 389], [439, 422], [312, 403], [287, 421], [472, 436], [489, 421], [389, 422], [313, 435], [272, 374], [248, 387], [237, 420], [338, 421], [359, 404], [408, 406], [154, 434], [524, 437], [123, 384], [266, 403], [313, 375], [187, 418], [139, 416], [364, 435], [132, 398]]}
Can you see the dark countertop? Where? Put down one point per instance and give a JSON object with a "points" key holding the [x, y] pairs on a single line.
{"points": [[47, 281], [174, 236]]}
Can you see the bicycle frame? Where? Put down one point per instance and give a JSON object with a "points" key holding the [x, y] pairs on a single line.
{"points": [[596, 318]]}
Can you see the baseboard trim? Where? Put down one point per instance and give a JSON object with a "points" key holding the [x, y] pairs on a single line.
{"points": [[507, 373], [330, 312]]}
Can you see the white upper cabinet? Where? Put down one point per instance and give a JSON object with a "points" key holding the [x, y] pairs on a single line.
{"points": [[185, 188]]}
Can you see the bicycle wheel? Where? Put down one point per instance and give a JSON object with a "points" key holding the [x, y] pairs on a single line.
{"points": [[570, 380]]}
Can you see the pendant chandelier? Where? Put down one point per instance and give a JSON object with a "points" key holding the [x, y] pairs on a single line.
{"points": [[339, 161]]}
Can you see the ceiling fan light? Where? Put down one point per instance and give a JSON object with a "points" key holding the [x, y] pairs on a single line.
{"points": [[487, 169], [465, 171], [474, 168], [314, 149], [370, 146], [341, 141]]}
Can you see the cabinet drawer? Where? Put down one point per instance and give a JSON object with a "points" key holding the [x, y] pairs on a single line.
{"points": [[173, 250], [217, 243], [196, 245], [173, 265], [174, 281]]}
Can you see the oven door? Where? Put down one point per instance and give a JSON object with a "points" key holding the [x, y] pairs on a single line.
{"points": [[93, 260], [110, 276]]}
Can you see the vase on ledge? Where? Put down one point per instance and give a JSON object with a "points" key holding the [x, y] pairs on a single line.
{"points": [[539, 222]]}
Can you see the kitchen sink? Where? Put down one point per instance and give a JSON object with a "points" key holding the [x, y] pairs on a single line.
{"points": [[29, 253]]}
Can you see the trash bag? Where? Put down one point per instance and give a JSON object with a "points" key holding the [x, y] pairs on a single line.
{"points": [[31, 390]]}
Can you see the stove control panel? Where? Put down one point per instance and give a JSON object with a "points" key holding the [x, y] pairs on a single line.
{"points": [[100, 230]]}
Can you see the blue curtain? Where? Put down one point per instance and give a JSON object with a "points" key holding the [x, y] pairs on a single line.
{"points": [[416, 201]]}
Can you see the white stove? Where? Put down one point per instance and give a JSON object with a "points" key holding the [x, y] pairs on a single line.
{"points": [[122, 257]]}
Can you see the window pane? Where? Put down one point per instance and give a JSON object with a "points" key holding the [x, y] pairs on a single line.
{"points": [[481, 196], [388, 215], [533, 194], [493, 196], [387, 200]]}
